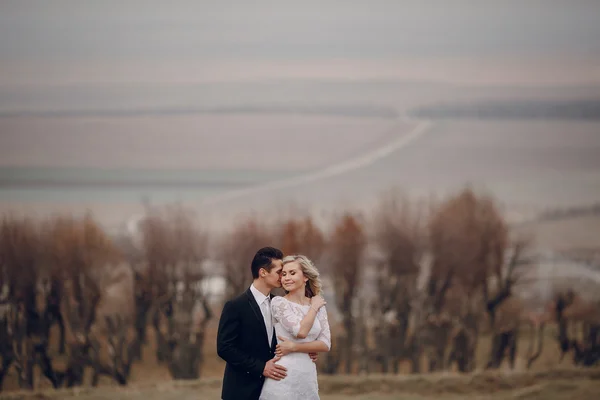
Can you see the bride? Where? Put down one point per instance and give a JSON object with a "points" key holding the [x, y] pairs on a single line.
{"points": [[302, 327]]}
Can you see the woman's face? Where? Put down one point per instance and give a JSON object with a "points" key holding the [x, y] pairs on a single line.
{"points": [[292, 277]]}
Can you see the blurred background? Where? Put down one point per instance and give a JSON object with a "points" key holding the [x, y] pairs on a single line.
{"points": [[438, 160]]}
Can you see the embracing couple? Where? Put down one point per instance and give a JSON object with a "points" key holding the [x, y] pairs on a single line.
{"points": [[271, 343]]}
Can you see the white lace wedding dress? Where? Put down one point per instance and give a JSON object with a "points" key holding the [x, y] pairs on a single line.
{"points": [[301, 380]]}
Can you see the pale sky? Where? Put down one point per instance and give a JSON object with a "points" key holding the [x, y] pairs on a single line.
{"points": [[67, 29], [116, 31]]}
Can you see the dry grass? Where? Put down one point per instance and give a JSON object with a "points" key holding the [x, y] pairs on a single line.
{"points": [[546, 380], [552, 384]]}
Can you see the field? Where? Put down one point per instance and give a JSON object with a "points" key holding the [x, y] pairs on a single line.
{"points": [[564, 234], [529, 166], [552, 385], [107, 148]]}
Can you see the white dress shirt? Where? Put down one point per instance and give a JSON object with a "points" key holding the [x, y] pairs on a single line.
{"points": [[264, 302]]}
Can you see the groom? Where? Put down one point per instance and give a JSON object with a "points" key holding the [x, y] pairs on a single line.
{"points": [[246, 337]]}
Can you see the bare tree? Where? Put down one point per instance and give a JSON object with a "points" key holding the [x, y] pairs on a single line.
{"points": [[400, 244], [302, 236], [186, 328], [348, 243], [97, 339], [134, 255], [467, 239], [80, 314], [25, 321], [115, 341], [498, 296], [498, 288], [175, 249], [83, 260], [536, 338], [236, 250], [455, 247], [571, 310], [511, 317]]}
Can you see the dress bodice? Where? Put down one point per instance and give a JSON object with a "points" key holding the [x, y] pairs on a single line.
{"points": [[287, 316]]}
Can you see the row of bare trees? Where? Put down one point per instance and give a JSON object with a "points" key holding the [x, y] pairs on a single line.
{"points": [[446, 273], [74, 299], [415, 282], [55, 274]]}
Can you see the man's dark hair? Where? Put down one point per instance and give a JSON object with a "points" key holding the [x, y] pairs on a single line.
{"points": [[264, 259]]}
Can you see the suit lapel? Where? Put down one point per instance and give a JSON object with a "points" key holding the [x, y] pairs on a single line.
{"points": [[274, 340], [258, 314]]}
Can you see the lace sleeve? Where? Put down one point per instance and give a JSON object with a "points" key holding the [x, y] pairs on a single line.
{"points": [[325, 334], [285, 315]]}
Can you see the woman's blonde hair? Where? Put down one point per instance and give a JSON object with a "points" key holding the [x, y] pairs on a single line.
{"points": [[314, 286]]}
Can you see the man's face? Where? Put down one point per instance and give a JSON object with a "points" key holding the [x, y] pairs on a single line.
{"points": [[273, 278]]}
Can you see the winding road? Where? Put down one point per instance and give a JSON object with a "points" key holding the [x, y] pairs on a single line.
{"points": [[401, 141]]}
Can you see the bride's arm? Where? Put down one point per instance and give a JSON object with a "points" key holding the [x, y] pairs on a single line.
{"points": [[316, 303], [320, 345], [325, 334], [287, 346], [307, 323], [293, 323]]}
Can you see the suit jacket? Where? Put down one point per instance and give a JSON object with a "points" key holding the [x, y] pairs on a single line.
{"points": [[243, 343]]}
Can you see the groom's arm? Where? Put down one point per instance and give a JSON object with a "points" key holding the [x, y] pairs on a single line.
{"points": [[310, 347], [227, 339], [288, 346]]}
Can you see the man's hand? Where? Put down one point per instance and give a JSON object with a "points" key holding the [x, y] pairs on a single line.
{"points": [[284, 347], [314, 356], [274, 371]]}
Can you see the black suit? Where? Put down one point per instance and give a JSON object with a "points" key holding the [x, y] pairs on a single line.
{"points": [[243, 343]]}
